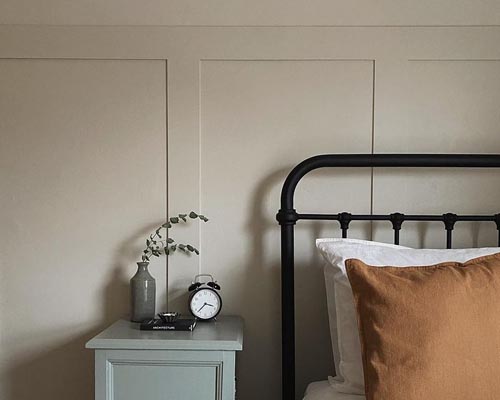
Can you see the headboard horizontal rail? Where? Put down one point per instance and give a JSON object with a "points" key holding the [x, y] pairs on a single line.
{"points": [[387, 217]]}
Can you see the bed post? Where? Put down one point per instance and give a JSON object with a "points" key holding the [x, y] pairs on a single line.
{"points": [[287, 217], [287, 221]]}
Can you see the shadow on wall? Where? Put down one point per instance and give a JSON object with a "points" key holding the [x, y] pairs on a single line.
{"points": [[259, 365], [65, 370], [260, 287]]}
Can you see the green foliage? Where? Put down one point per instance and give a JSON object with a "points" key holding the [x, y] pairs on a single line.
{"points": [[156, 245]]}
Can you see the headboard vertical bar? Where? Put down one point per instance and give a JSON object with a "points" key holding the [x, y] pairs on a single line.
{"points": [[397, 220], [396, 236], [288, 314], [344, 219], [449, 239], [496, 218], [449, 220]]}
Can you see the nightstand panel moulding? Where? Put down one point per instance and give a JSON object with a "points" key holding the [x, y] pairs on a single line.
{"points": [[132, 379]]}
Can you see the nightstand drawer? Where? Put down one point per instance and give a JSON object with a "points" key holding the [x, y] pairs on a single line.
{"points": [[164, 374], [165, 380]]}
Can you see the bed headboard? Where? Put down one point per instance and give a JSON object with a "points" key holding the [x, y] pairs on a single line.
{"points": [[288, 217]]}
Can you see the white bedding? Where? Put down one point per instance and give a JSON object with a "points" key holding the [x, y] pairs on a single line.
{"points": [[341, 310], [324, 391]]}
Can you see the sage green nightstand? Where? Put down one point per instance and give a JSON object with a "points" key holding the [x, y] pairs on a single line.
{"points": [[131, 364]]}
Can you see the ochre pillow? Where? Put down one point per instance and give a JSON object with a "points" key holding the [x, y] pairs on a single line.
{"points": [[430, 332]]}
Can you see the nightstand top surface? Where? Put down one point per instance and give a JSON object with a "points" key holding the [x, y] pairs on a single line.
{"points": [[224, 334]]}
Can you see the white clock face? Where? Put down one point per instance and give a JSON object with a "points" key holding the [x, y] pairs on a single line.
{"points": [[205, 304]]}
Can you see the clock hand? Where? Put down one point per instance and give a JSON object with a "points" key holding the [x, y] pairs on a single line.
{"points": [[204, 304], [211, 305]]}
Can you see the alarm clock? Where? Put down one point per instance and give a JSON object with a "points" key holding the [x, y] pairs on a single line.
{"points": [[205, 302]]}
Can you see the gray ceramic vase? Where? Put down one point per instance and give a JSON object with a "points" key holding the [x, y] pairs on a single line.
{"points": [[142, 294]]}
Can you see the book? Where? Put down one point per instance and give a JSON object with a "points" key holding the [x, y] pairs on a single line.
{"points": [[181, 324]]}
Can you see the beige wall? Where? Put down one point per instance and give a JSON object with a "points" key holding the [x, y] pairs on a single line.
{"points": [[85, 115], [252, 13], [82, 161]]}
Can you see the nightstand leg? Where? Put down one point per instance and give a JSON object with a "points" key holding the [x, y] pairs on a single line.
{"points": [[229, 376]]}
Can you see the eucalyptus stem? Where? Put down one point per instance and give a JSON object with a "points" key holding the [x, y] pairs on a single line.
{"points": [[168, 246]]}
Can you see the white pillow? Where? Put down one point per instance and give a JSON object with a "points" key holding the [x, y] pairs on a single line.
{"points": [[349, 377], [332, 316]]}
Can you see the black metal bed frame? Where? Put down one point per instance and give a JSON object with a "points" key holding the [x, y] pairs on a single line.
{"points": [[288, 216]]}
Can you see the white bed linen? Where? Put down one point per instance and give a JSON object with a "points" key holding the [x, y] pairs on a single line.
{"points": [[324, 391], [349, 377]]}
